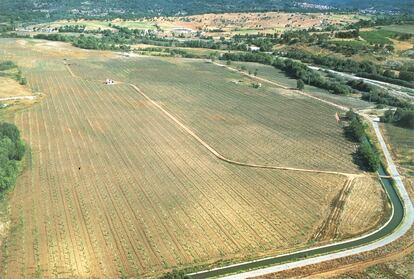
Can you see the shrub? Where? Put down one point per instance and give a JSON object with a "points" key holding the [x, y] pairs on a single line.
{"points": [[23, 81], [300, 84], [407, 76]]}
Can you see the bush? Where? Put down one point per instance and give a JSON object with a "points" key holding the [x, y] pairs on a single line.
{"points": [[406, 119], [407, 76], [23, 81], [7, 65], [340, 89], [300, 84], [401, 117]]}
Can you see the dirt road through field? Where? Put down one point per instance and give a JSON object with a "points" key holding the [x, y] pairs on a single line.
{"points": [[215, 152]]}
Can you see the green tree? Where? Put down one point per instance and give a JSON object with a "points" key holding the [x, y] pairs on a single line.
{"points": [[23, 81], [11, 151], [405, 75], [300, 84], [388, 116], [9, 130], [369, 156]]}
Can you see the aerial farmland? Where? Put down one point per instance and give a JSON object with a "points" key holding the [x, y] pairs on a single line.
{"points": [[181, 163]]}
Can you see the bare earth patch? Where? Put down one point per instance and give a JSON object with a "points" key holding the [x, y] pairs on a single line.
{"points": [[11, 88]]}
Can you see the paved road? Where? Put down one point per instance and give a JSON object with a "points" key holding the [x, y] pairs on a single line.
{"points": [[392, 89], [400, 231]]}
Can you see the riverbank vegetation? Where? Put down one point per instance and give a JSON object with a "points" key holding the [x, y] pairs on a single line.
{"points": [[366, 156]]}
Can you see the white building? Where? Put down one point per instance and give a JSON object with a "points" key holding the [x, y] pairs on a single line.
{"points": [[254, 48]]}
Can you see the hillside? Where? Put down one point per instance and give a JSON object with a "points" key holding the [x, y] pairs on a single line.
{"points": [[371, 5], [54, 9]]}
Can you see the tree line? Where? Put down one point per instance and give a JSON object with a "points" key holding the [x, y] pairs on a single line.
{"points": [[294, 69], [12, 150], [367, 155], [332, 83], [363, 69], [400, 117], [377, 95]]}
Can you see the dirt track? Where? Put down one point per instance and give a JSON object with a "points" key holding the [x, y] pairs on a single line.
{"points": [[328, 229], [221, 157], [215, 152]]}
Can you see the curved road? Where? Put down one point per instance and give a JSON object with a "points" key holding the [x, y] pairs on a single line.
{"points": [[403, 227], [393, 89], [400, 231]]}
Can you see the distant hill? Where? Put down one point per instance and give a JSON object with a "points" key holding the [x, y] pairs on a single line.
{"points": [[406, 6], [136, 8]]}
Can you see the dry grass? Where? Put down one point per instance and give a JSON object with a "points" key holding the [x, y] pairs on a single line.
{"points": [[402, 45], [364, 208], [401, 143], [112, 185], [252, 21], [228, 23], [11, 88], [265, 125]]}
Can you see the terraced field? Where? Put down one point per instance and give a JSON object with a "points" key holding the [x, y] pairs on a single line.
{"points": [[114, 187]]}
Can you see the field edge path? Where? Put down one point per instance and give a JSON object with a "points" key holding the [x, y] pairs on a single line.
{"points": [[401, 230], [215, 152]]}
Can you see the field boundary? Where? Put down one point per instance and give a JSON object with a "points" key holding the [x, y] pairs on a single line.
{"points": [[344, 108], [378, 243], [221, 157], [407, 220], [215, 152]]}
